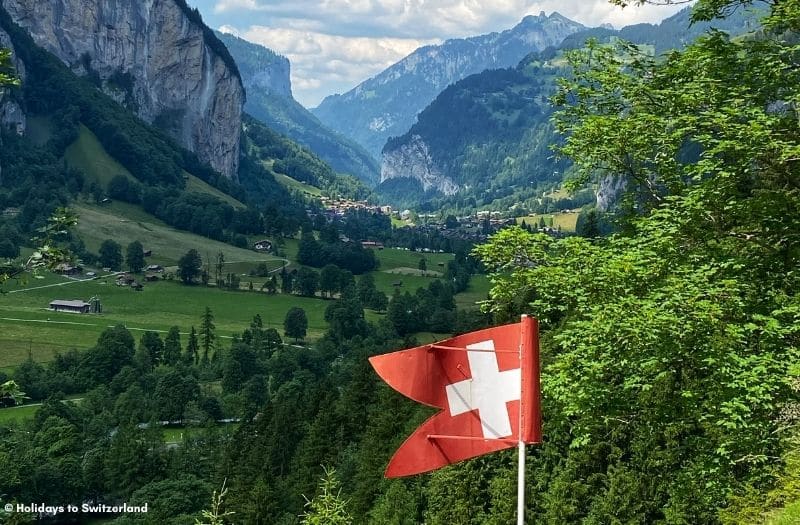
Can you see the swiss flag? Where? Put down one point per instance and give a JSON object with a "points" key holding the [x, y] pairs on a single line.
{"points": [[485, 382]]}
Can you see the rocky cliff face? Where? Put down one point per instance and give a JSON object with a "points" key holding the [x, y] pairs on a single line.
{"points": [[11, 115], [413, 159], [150, 55], [386, 105]]}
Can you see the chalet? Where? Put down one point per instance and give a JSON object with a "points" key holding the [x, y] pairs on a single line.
{"points": [[263, 245], [68, 269], [157, 268], [125, 279], [73, 307], [137, 286], [148, 253], [372, 244], [150, 277]]}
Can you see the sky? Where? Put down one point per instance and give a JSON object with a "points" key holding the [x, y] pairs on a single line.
{"points": [[333, 45]]}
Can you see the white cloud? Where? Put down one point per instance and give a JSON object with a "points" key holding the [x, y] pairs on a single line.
{"points": [[335, 44], [322, 62]]}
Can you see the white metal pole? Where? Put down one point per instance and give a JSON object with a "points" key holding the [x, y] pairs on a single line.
{"points": [[521, 444], [521, 485]]}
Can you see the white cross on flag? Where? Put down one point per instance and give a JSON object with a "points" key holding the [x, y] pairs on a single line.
{"points": [[485, 382]]}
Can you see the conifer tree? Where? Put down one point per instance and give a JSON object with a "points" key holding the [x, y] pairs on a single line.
{"points": [[192, 348], [207, 334]]}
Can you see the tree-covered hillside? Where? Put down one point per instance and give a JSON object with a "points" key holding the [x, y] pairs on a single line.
{"points": [[491, 133], [269, 99]]}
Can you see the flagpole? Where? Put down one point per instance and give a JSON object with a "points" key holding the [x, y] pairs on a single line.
{"points": [[521, 485], [521, 444]]}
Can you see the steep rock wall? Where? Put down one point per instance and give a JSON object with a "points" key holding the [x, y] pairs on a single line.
{"points": [[414, 160], [150, 55]]}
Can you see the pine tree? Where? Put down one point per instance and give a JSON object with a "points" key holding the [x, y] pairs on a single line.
{"points": [[192, 349], [172, 346], [327, 507], [207, 335]]}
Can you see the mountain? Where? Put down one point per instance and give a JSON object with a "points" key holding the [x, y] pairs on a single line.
{"points": [[269, 99], [486, 139], [68, 138], [157, 58], [387, 104]]}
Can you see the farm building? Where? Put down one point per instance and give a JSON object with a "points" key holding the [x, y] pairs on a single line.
{"points": [[263, 246], [155, 268], [68, 269], [74, 307]]}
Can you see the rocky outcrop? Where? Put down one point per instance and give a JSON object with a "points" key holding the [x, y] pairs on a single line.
{"points": [[155, 58], [413, 159], [11, 115], [608, 191]]}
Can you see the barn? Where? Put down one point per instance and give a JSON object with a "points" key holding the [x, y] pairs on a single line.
{"points": [[74, 307]]}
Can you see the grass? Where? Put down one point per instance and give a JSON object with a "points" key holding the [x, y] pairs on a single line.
{"points": [[394, 258], [789, 515], [125, 223], [17, 414], [567, 220], [28, 327], [293, 184], [88, 155], [478, 291], [25, 412], [200, 186]]}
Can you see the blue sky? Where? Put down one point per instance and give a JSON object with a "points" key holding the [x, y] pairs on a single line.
{"points": [[335, 44]]}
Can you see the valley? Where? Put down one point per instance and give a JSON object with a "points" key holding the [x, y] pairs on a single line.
{"points": [[202, 280]]}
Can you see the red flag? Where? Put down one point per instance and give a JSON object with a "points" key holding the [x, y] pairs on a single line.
{"points": [[480, 383]]}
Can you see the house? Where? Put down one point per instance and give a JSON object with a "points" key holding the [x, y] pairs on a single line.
{"points": [[263, 245], [148, 253], [125, 279], [73, 307], [68, 269], [155, 268], [372, 244], [137, 286], [150, 277]]}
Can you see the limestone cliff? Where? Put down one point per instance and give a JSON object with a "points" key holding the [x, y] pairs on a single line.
{"points": [[156, 57], [413, 159], [11, 115]]}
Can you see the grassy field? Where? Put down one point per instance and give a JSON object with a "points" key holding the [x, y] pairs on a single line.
{"points": [[27, 326], [567, 220], [200, 186], [88, 155], [21, 413], [17, 414], [293, 184], [125, 223]]}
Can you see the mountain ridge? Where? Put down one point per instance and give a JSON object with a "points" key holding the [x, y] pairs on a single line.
{"points": [[490, 132], [387, 104], [266, 76]]}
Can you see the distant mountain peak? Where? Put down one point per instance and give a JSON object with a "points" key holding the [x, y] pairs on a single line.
{"points": [[387, 104]]}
